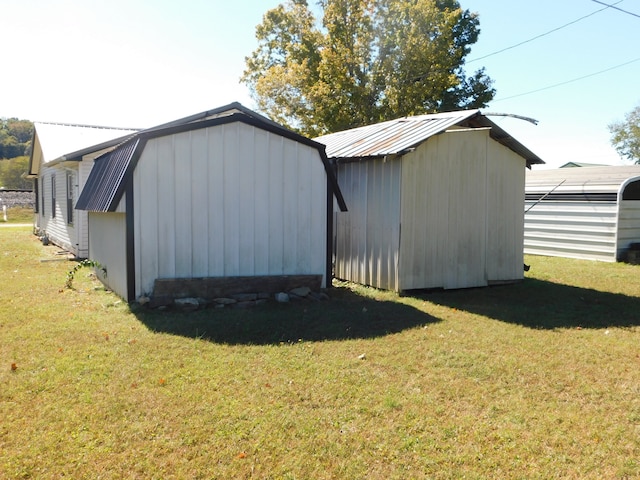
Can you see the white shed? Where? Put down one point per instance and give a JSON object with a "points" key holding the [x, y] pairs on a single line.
{"points": [[61, 159], [434, 201], [225, 194], [588, 213]]}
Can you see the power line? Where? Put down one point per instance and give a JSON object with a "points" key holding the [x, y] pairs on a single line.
{"points": [[569, 81], [544, 34], [625, 11]]}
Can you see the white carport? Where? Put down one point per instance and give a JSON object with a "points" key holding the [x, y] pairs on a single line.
{"points": [[587, 213]]}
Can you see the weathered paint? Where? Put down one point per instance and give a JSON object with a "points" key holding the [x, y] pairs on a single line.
{"points": [[448, 214], [230, 200]]}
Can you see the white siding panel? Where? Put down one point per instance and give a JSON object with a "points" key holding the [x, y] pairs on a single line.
{"points": [[245, 195], [505, 220], [183, 187], [580, 229], [146, 212], [199, 204], [166, 202], [628, 225], [57, 229], [106, 246], [367, 236], [276, 202], [215, 210], [229, 201], [260, 198]]}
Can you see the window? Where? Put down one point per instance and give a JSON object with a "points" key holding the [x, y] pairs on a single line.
{"points": [[42, 195], [36, 190], [632, 191], [53, 195], [70, 198]]}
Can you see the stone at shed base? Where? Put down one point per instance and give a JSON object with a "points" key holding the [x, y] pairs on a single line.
{"points": [[187, 304], [225, 301], [282, 297], [301, 291]]}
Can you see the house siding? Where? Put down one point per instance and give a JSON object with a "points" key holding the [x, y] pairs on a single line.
{"points": [[228, 200]]}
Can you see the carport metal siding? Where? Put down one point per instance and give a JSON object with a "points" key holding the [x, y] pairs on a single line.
{"points": [[583, 215]]}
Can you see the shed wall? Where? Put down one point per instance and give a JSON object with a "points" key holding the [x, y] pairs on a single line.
{"points": [[230, 200], [368, 235], [505, 220], [107, 246], [443, 242]]}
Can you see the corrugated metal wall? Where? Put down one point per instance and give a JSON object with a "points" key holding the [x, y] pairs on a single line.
{"points": [[368, 235], [444, 216], [572, 229], [231, 200], [628, 225], [448, 214]]}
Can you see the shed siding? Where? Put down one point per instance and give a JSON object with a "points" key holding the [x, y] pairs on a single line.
{"points": [[443, 241], [368, 235], [106, 242], [580, 229], [628, 225], [218, 201], [505, 219]]}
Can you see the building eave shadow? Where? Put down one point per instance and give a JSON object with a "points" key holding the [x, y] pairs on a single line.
{"points": [[345, 316], [541, 304]]}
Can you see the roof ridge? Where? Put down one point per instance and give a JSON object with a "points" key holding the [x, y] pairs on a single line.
{"points": [[99, 127]]}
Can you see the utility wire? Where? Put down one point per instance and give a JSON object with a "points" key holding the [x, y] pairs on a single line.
{"points": [[544, 34], [569, 81], [625, 11]]}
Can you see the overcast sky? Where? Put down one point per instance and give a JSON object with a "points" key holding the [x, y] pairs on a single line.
{"points": [[137, 63]]}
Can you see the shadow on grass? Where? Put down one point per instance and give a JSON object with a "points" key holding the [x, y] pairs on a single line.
{"points": [[346, 316], [544, 305]]}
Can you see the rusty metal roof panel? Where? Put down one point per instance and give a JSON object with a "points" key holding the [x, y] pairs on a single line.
{"points": [[396, 137], [391, 137]]}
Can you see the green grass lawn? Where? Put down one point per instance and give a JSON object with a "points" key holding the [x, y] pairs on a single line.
{"points": [[18, 215], [535, 380]]}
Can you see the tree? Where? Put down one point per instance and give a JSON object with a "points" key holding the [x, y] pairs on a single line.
{"points": [[13, 173], [626, 135], [368, 61], [15, 137]]}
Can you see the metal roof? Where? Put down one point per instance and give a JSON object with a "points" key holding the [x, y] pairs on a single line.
{"points": [[106, 183], [582, 179], [396, 137], [60, 141]]}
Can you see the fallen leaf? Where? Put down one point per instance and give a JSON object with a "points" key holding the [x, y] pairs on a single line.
{"points": [[241, 455], [162, 381], [14, 367]]}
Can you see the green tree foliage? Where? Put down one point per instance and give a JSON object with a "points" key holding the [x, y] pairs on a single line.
{"points": [[15, 137], [13, 173], [626, 135], [368, 61]]}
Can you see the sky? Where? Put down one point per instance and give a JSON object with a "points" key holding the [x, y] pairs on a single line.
{"points": [[574, 65]]}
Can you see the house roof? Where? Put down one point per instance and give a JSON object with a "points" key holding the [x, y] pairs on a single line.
{"points": [[107, 181], [581, 180], [399, 136], [66, 142]]}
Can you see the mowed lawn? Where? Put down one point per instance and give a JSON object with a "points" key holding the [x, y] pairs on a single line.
{"points": [[535, 380]]}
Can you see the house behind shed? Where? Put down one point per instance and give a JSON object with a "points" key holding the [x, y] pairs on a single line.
{"points": [[434, 201], [225, 194], [61, 159], [588, 213]]}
